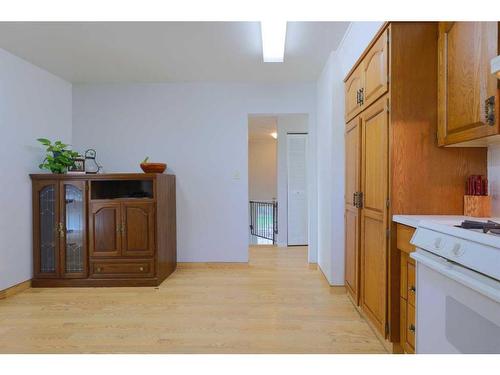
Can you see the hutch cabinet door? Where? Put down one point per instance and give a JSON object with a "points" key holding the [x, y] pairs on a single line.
{"points": [[105, 229], [376, 71], [73, 240], [46, 229], [352, 189], [353, 93], [139, 228], [466, 87], [374, 185]]}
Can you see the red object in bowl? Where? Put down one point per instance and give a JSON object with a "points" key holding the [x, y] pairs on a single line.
{"points": [[153, 167]]}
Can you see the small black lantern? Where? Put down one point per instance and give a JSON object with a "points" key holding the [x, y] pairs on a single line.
{"points": [[91, 166]]}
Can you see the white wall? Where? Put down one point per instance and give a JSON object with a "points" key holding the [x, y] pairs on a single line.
{"points": [[200, 130], [494, 177], [287, 124], [330, 148], [262, 165], [33, 104]]}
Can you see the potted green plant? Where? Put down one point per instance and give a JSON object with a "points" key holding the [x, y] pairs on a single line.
{"points": [[59, 157]]}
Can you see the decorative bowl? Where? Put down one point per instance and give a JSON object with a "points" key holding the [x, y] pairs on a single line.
{"points": [[153, 167]]}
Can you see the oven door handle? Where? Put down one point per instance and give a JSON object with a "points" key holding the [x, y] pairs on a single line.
{"points": [[473, 280]]}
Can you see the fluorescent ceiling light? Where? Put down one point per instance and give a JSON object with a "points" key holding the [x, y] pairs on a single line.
{"points": [[273, 40], [274, 135]]}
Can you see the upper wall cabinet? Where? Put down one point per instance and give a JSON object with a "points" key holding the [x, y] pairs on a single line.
{"points": [[353, 88], [467, 91], [375, 71], [369, 80]]}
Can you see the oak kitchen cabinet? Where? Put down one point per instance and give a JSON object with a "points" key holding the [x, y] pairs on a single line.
{"points": [[394, 164], [103, 230], [468, 95], [407, 288], [369, 80]]}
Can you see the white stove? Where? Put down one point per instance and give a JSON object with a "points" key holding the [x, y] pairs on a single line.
{"points": [[471, 248], [458, 288]]}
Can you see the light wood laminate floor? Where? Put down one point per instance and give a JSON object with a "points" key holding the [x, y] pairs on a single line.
{"points": [[275, 304]]}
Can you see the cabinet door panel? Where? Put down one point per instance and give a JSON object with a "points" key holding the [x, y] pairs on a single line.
{"points": [[375, 71], [465, 80], [374, 184], [46, 238], [139, 224], [73, 240], [352, 89], [352, 181], [105, 229]]}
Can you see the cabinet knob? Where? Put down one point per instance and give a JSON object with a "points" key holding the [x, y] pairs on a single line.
{"points": [[98, 269], [412, 328], [141, 269], [412, 289]]}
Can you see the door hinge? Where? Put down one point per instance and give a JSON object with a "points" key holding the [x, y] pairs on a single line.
{"points": [[387, 203], [387, 329], [388, 233], [387, 107]]}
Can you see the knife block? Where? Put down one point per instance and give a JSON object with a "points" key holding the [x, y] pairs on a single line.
{"points": [[477, 205]]}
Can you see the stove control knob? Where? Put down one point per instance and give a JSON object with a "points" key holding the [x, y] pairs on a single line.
{"points": [[438, 243], [457, 250]]}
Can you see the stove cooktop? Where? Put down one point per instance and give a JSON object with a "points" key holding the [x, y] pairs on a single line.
{"points": [[490, 227]]}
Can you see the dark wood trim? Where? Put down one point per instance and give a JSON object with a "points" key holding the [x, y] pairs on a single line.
{"points": [[81, 283], [100, 176]]}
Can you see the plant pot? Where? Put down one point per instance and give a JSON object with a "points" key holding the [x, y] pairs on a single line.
{"points": [[153, 167]]}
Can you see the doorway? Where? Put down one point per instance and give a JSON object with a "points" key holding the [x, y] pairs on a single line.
{"points": [[278, 180]]}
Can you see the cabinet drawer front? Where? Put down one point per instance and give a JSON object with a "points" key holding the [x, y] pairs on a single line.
{"points": [[403, 291], [410, 328], [126, 269], [403, 237], [411, 283]]}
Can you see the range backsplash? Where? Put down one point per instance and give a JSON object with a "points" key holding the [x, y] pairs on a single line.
{"points": [[494, 177]]}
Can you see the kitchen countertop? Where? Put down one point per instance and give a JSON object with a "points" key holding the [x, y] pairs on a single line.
{"points": [[413, 220]]}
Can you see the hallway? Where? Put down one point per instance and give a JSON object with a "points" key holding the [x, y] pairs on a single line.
{"points": [[275, 304]]}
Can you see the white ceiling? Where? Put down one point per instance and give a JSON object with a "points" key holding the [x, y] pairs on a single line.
{"points": [[261, 127], [92, 52]]}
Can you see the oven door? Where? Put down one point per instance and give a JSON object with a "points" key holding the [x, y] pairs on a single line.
{"points": [[458, 310]]}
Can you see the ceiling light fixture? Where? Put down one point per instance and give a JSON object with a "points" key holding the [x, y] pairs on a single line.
{"points": [[273, 40]]}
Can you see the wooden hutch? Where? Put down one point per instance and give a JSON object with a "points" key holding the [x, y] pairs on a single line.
{"points": [[103, 229]]}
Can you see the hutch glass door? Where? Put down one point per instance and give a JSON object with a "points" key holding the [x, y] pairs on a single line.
{"points": [[46, 215], [73, 229]]}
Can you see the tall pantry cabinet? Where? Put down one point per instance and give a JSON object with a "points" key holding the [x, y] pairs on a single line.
{"points": [[393, 162]]}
